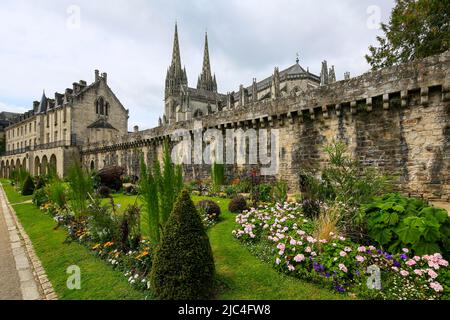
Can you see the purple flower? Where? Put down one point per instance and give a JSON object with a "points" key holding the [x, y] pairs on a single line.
{"points": [[322, 267], [396, 263], [339, 288], [358, 273], [327, 274], [403, 256], [387, 256], [316, 267], [379, 251]]}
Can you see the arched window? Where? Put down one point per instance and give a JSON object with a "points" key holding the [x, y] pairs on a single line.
{"points": [[106, 109]]}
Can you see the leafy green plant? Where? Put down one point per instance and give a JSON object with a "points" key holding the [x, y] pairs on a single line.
{"points": [[265, 192], [217, 176], [130, 235], [57, 193], [280, 191], [395, 222], [158, 191], [81, 186], [148, 192], [183, 267]]}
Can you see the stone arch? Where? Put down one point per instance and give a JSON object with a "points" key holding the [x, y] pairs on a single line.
{"points": [[7, 169], [37, 166], [18, 164], [92, 166], [2, 169], [44, 165], [24, 164], [53, 163]]}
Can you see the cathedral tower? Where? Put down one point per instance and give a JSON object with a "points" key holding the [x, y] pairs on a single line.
{"points": [[176, 78]]}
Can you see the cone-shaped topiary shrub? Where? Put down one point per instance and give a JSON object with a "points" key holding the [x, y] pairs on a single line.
{"points": [[28, 186], [237, 204], [183, 267]]}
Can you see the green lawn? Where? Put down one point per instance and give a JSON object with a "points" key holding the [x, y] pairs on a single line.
{"points": [[241, 274], [98, 280]]}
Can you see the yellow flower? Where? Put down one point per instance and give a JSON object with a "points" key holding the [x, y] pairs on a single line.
{"points": [[96, 246], [142, 254]]}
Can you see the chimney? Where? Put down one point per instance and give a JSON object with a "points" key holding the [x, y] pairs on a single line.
{"points": [[136, 129], [347, 75], [105, 77], [35, 106], [83, 83], [97, 75], [76, 87]]}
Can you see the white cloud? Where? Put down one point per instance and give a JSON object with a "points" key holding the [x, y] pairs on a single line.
{"points": [[132, 41]]}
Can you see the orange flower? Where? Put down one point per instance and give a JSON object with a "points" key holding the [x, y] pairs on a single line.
{"points": [[96, 246]]}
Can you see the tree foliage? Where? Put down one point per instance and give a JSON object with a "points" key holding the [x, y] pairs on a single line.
{"points": [[416, 29]]}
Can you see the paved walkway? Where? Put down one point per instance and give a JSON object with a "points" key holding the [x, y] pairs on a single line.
{"points": [[17, 280]]}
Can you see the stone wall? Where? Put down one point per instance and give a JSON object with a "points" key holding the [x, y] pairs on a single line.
{"points": [[396, 119]]}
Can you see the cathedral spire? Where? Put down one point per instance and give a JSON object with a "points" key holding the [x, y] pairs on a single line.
{"points": [[206, 81], [176, 75], [176, 59]]}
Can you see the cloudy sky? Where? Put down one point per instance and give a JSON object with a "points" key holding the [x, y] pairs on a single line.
{"points": [[49, 44]]}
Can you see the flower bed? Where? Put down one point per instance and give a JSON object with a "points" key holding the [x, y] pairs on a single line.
{"points": [[337, 261], [134, 264]]}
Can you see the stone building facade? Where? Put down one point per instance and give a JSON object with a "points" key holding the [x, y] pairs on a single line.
{"points": [[395, 119], [51, 133]]}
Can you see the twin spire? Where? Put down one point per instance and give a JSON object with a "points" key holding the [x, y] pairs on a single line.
{"points": [[176, 75], [205, 80]]}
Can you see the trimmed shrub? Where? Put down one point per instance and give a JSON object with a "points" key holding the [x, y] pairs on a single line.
{"points": [[211, 209], [311, 208], [237, 204], [40, 197], [183, 267], [104, 192], [111, 177], [28, 186]]}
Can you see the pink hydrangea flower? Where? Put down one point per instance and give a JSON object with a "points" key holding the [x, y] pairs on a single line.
{"points": [[308, 249], [417, 258], [342, 253], [342, 267], [360, 258], [299, 258], [418, 272], [291, 267], [436, 286], [293, 242], [405, 250], [404, 273], [410, 262], [362, 249], [432, 274], [277, 261], [281, 246]]}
